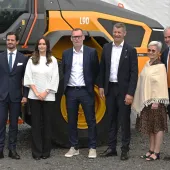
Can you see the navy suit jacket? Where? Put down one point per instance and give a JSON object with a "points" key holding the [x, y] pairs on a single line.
{"points": [[127, 69], [90, 66], [164, 56], [11, 82]]}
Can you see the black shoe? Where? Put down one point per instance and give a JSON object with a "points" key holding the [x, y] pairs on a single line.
{"points": [[13, 154], [124, 155], [157, 156], [1, 155], [36, 158], [147, 155], [108, 152], [45, 157]]}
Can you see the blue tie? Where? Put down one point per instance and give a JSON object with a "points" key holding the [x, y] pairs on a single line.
{"points": [[10, 62]]}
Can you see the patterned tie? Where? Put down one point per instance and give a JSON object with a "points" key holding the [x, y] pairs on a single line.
{"points": [[10, 62]]}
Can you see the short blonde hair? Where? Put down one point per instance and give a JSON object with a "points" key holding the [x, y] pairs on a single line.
{"points": [[158, 44]]}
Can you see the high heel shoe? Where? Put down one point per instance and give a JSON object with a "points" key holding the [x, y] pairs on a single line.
{"points": [[147, 156], [154, 159]]}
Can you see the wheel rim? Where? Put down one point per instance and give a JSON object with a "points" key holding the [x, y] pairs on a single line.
{"points": [[99, 110]]}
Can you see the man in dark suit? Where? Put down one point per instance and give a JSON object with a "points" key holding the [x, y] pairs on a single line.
{"points": [[80, 68], [118, 80], [12, 68], [165, 58]]}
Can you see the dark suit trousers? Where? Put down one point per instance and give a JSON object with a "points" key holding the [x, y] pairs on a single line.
{"points": [[14, 109], [168, 108], [74, 97], [118, 116], [41, 112]]}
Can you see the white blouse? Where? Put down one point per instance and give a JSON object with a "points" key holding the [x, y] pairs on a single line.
{"points": [[43, 77]]}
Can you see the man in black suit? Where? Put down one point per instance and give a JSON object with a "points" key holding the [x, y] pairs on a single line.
{"points": [[12, 68], [118, 80], [165, 58], [80, 68]]}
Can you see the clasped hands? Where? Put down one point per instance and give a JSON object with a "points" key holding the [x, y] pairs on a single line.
{"points": [[41, 96]]}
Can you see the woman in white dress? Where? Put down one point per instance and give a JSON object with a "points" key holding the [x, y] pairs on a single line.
{"points": [[42, 77]]}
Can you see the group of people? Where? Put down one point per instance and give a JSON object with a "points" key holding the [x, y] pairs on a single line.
{"points": [[118, 81]]}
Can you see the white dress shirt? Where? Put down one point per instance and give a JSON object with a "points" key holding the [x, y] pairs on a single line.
{"points": [[13, 56], [115, 58], [76, 76], [43, 77]]}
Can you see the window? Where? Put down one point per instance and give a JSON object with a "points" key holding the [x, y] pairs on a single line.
{"points": [[10, 10], [13, 4]]}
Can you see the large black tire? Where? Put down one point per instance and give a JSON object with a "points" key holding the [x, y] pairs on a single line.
{"points": [[60, 126]]}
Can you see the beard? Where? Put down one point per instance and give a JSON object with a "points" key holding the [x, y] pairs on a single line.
{"points": [[11, 46]]}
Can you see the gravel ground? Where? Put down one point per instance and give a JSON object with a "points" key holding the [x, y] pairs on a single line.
{"points": [[57, 161]]}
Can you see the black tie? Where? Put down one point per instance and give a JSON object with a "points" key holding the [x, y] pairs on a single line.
{"points": [[10, 61]]}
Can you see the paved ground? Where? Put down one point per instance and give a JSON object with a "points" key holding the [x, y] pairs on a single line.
{"points": [[58, 162]]}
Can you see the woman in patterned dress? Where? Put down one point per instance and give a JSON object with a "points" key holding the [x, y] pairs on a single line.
{"points": [[150, 100]]}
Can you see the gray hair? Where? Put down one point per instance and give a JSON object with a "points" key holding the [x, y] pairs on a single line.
{"points": [[120, 25], [158, 44], [166, 29]]}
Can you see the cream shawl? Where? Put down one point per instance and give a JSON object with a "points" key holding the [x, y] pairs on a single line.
{"points": [[151, 87]]}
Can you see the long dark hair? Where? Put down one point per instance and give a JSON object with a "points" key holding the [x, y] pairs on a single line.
{"points": [[36, 54]]}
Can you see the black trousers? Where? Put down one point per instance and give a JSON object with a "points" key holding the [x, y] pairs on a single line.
{"points": [[118, 116], [41, 112], [14, 109], [74, 97]]}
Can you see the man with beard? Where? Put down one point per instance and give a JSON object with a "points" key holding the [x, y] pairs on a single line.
{"points": [[118, 80], [12, 68]]}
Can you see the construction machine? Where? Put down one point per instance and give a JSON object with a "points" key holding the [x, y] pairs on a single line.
{"points": [[55, 19]]}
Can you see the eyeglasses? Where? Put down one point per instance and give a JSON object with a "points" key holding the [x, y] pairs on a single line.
{"points": [[77, 37], [150, 50]]}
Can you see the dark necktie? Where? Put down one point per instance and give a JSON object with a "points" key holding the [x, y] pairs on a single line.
{"points": [[10, 61]]}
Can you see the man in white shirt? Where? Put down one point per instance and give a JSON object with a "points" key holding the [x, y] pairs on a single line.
{"points": [[12, 69], [118, 80], [80, 68]]}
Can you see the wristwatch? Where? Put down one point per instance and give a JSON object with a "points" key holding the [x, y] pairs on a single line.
{"points": [[47, 90]]}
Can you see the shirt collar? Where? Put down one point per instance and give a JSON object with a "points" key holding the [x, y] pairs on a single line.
{"points": [[14, 52], [121, 45], [81, 50]]}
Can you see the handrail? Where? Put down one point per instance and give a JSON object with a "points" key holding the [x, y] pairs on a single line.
{"points": [[32, 26]]}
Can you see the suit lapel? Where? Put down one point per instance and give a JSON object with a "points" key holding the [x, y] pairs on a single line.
{"points": [[122, 56], [6, 61], [167, 57], [70, 58], [85, 57], [109, 54]]}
